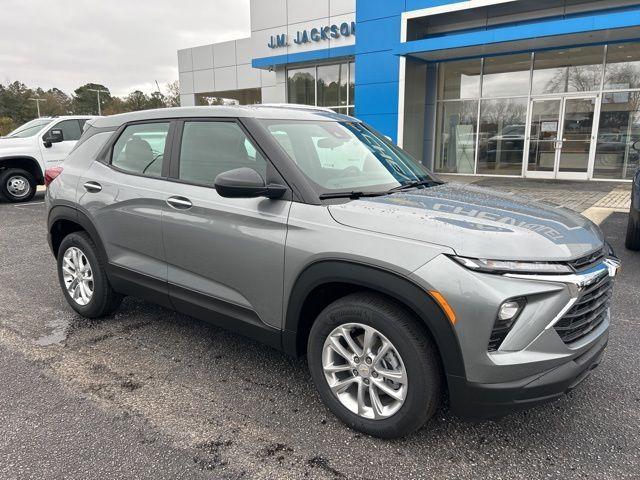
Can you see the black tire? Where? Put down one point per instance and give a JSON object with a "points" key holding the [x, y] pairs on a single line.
{"points": [[411, 341], [17, 173], [104, 300], [632, 241]]}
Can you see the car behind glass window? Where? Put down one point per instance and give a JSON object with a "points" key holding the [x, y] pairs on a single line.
{"points": [[210, 148], [140, 148]]}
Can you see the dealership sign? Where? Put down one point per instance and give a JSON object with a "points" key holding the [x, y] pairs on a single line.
{"points": [[345, 29]]}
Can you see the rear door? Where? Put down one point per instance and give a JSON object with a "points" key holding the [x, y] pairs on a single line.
{"points": [[57, 152], [124, 195], [225, 255]]}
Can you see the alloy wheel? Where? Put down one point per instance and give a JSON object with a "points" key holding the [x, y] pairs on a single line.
{"points": [[364, 371], [77, 276]]}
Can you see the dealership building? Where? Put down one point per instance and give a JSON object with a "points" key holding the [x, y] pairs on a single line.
{"points": [[533, 88]]}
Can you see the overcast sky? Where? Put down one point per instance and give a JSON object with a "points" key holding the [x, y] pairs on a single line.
{"points": [[125, 45]]}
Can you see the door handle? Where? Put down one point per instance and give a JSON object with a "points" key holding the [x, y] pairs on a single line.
{"points": [[92, 187], [179, 203]]}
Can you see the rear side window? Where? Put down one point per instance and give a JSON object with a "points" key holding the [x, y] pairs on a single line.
{"points": [[71, 130], [140, 148], [210, 148]]}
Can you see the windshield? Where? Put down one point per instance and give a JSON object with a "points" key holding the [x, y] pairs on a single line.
{"points": [[345, 156], [29, 129]]}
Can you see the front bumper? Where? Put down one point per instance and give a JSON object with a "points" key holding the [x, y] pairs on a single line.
{"points": [[533, 364], [486, 400]]}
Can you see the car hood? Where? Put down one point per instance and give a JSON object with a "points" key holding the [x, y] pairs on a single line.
{"points": [[476, 222], [8, 143]]}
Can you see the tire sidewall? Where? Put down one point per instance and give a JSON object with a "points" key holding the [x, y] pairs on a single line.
{"points": [[632, 241], [4, 191], [423, 383], [94, 306]]}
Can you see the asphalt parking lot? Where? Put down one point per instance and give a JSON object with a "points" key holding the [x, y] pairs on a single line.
{"points": [[149, 393]]}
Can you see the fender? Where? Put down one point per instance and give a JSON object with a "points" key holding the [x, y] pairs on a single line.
{"points": [[374, 278], [64, 212], [13, 161]]}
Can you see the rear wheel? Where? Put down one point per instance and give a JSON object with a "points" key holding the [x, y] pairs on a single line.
{"points": [[374, 365], [633, 232], [83, 279], [17, 185]]}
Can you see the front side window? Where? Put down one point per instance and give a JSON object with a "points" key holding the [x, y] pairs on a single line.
{"points": [[140, 148], [344, 155], [71, 130], [211, 148]]}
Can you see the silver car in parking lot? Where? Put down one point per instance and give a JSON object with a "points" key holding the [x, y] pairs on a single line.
{"points": [[314, 234]]}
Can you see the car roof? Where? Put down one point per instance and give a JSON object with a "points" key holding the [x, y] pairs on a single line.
{"points": [[275, 112]]}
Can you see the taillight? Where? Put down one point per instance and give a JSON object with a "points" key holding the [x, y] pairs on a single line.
{"points": [[50, 174]]}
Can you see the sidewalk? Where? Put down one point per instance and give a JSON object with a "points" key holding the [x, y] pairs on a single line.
{"points": [[595, 200]]}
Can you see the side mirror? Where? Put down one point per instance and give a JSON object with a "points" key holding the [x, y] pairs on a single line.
{"points": [[54, 136], [246, 183], [636, 145]]}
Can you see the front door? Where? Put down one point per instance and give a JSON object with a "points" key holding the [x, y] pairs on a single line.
{"points": [[225, 255], [57, 152], [560, 140]]}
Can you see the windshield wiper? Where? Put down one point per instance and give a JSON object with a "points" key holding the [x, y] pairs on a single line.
{"points": [[353, 195], [415, 184]]}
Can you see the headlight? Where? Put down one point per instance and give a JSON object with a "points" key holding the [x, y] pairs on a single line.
{"points": [[508, 266]]}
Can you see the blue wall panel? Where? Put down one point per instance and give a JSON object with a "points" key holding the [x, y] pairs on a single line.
{"points": [[372, 9], [377, 67], [378, 98], [418, 4], [379, 34]]}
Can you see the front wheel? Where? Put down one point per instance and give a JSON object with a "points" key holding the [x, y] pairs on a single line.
{"points": [[374, 365], [17, 185]]}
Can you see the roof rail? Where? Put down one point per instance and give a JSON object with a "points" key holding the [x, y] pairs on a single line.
{"points": [[293, 106]]}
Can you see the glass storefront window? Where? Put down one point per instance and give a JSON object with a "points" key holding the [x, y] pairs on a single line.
{"points": [[619, 133], [456, 138], [506, 76], [301, 86], [623, 67], [568, 70], [352, 83], [460, 79], [528, 101], [331, 85], [502, 136]]}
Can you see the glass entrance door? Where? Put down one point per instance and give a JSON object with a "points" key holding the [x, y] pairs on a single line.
{"points": [[561, 137], [544, 134]]}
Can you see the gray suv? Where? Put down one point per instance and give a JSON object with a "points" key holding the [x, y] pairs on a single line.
{"points": [[314, 234]]}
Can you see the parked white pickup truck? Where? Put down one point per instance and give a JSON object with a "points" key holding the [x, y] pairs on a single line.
{"points": [[29, 150]]}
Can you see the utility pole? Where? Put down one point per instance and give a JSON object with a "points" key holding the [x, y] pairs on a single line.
{"points": [[37, 100], [98, 91]]}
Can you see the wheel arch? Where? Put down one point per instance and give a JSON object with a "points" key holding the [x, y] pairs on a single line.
{"points": [[64, 220], [24, 162], [340, 278]]}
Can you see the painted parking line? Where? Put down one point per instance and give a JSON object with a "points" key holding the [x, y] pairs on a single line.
{"points": [[21, 205]]}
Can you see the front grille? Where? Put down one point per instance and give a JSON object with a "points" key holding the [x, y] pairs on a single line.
{"points": [[587, 313], [587, 260]]}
